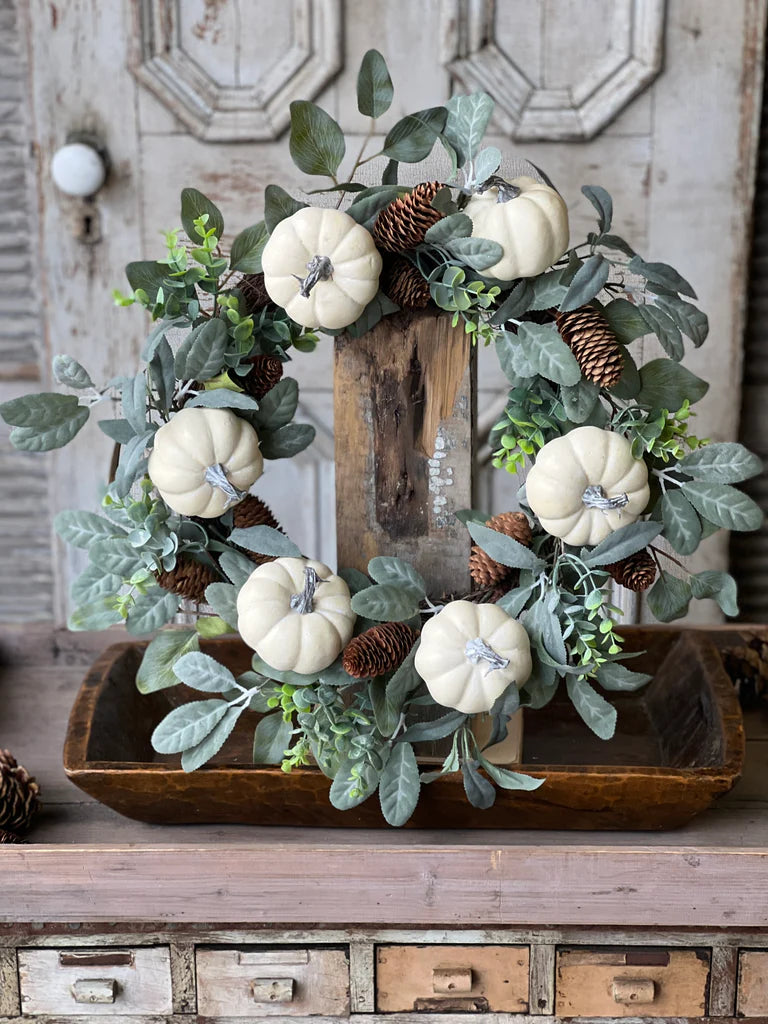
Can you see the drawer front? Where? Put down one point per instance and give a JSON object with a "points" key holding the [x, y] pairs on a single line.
{"points": [[251, 982], [452, 979], [95, 981], [752, 999], [632, 983]]}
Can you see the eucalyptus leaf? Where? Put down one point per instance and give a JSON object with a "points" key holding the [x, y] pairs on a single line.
{"points": [[399, 785], [374, 85], [202, 672], [593, 709], [388, 569], [723, 505], [278, 407], [287, 441], [413, 137], [625, 320], [503, 549], [669, 597], [386, 603], [194, 757], [682, 527], [587, 283], [152, 610], [726, 462], [265, 540], [316, 142], [69, 372], [245, 255], [623, 542], [548, 354], [188, 725], [666, 384], [278, 205], [201, 355], [603, 203], [614, 676], [193, 206], [366, 207], [348, 791], [718, 585], [156, 671], [148, 276]]}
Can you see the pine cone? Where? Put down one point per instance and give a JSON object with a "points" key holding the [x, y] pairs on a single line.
{"points": [[18, 796], [403, 283], [403, 224], [485, 571], [378, 650], [748, 668], [255, 295], [9, 837], [252, 511], [265, 372], [635, 572], [589, 336], [188, 579]]}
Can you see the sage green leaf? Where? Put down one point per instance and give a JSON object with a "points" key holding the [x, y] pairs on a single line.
{"points": [[134, 401], [593, 709], [437, 729], [222, 398], [348, 791], [682, 527], [457, 225], [316, 142], [236, 567], [278, 205], [511, 780], [478, 789], [115, 555], [662, 274], [623, 542], [603, 203], [616, 242], [98, 614], [69, 372], [477, 253], [132, 463], [151, 611], [486, 163], [188, 725], [724, 505], [614, 676], [80, 528], [665, 329], [386, 603], [625, 320], [542, 684], [285, 442], [388, 569], [402, 683], [354, 579], [366, 206], [512, 357], [148, 276], [516, 303], [548, 354], [271, 739], [222, 597], [669, 597], [93, 583], [201, 355], [209, 626], [278, 407], [689, 318], [466, 123], [156, 671], [503, 549], [514, 601], [472, 515], [665, 384], [548, 290], [48, 409], [162, 373], [718, 585], [35, 439], [587, 282], [412, 138], [726, 462], [247, 248], [579, 400], [399, 785], [202, 672], [265, 540], [196, 756], [193, 206], [374, 86], [119, 431]]}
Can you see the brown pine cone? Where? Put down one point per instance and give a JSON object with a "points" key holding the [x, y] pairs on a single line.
{"points": [[265, 372], [485, 571], [19, 795], [9, 837], [403, 283], [635, 572], [403, 224], [188, 579], [378, 650], [748, 668], [252, 511], [589, 336], [255, 295]]}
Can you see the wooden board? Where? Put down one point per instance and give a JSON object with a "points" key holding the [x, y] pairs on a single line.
{"points": [[752, 998], [404, 407]]}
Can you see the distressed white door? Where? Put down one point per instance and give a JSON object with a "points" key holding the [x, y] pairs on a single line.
{"points": [[658, 102]]}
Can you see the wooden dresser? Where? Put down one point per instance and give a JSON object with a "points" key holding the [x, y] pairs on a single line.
{"points": [[103, 916]]}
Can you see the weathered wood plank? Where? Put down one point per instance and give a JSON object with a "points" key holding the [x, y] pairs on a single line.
{"points": [[183, 978], [542, 999], [361, 977], [722, 981], [404, 419], [10, 1005]]}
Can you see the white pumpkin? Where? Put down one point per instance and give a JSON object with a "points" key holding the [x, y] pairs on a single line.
{"points": [[587, 484], [204, 461], [296, 614], [470, 653], [322, 267], [531, 228]]}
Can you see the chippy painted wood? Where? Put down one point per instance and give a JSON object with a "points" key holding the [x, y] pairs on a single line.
{"points": [[722, 982], [416, 1018], [404, 418]]}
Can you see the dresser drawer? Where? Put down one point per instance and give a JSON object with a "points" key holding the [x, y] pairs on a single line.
{"points": [[752, 1000], [253, 982], [632, 982], [452, 979], [111, 982]]}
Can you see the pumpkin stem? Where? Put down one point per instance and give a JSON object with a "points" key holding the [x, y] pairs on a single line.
{"points": [[595, 497], [506, 190], [302, 603], [320, 269], [216, 476], [478, 650]]}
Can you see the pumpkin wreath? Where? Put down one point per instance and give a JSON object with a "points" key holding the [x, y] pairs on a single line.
{"points": [[346, 663]]}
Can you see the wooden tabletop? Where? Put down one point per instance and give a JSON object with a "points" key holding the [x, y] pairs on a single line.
{"points": [[86, 863]]}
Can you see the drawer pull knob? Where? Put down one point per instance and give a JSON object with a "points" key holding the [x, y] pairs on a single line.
{"points": [[633, 991], [94, 990], [272, 990], [451, 980]]}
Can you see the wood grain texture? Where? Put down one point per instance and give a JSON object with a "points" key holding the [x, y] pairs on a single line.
{"points": [[752, 999], [10, 1005], [183, 980], [404, 408], [722, 981], [542, 998]]}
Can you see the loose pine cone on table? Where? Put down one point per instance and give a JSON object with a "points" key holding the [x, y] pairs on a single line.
{"points": [[747, 665], [19, 797], [265, 372], [254, 292], [635, 572], [589, 336], [404, 284], [402, 225], [188, 579], [378, 650], [485, 571]]}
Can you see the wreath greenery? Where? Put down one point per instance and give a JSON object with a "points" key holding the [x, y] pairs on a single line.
{"points": [[563, 337]]}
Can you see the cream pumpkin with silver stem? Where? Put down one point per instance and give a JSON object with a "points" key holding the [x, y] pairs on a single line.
{"points": [[470, 653], [296, 614], [204, 460], [322, 267], [586, 484], [527, 218]]}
